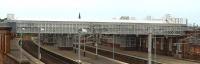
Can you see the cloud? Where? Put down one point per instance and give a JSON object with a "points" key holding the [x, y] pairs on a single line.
{"points": [[100, 8]]}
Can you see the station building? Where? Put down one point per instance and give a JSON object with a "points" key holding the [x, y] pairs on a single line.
{"points": [[169, 34]]}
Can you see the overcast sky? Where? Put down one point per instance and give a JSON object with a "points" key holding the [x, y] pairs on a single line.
{"points": [[101, 9]]}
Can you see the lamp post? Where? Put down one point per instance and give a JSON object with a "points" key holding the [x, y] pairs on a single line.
{"points": [[39, 45], [155, 47], [149, 46], [96, 45], [113, 46], [21, 45], [81, 32], [84, 46], [150, 36], [79, 46]]}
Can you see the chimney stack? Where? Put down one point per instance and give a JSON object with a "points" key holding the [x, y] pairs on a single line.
{"points": [[10, 16]]}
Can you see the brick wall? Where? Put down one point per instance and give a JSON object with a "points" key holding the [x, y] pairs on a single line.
{"points": [[5, 37]]}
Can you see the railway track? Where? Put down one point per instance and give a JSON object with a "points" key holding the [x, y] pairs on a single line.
{"points": [[51, 58], [119, 56], [46, 56]]}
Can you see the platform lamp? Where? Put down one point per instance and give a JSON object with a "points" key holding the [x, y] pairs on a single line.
{"points": [[150, 36], [149, 46], [39, 45], [113, 49], [21, 35], [81, 32]]}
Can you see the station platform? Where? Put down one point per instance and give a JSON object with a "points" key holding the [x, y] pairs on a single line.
{"points": [[158, 58], [70, 54]]}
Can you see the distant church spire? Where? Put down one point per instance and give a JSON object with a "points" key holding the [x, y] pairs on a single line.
{"points": [[79, 16]]}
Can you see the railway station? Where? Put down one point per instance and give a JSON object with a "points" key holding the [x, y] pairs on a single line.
{"points": [[168, 40]]}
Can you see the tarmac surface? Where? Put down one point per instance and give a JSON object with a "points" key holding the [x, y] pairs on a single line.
{"points": [[158, 58]]}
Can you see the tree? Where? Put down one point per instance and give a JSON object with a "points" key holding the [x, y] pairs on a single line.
{"points": [[2, 20]]}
